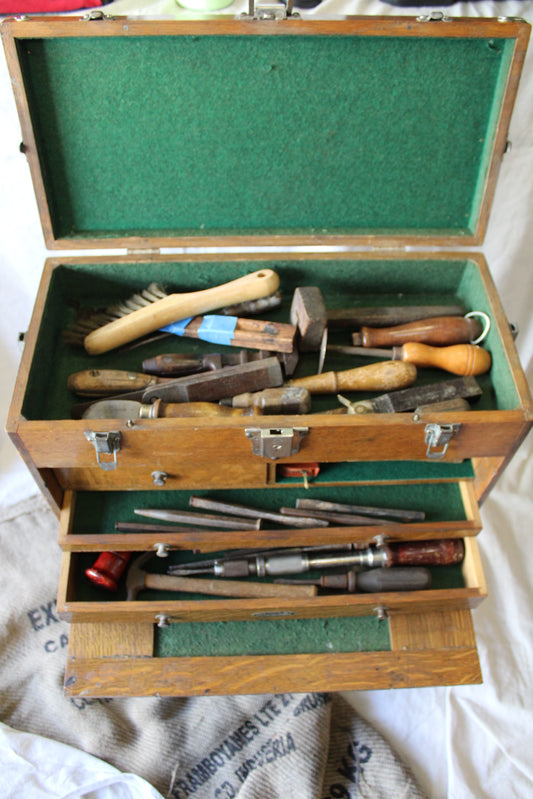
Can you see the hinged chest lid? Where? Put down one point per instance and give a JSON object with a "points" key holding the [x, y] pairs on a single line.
{"points": [[237, 131]]}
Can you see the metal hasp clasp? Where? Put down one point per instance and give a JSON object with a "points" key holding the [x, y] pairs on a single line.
{"points": [[270, 10], [439, 435], [105, 443], [279, 443]]}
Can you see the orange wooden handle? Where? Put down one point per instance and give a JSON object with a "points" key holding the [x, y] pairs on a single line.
{"points": [[459, 359], [439, 331]]}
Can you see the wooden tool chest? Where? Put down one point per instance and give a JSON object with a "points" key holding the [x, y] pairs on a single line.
{"points": [[359, 156]]}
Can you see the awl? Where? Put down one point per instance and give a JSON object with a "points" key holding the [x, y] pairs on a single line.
{"points": [[459, 359]]}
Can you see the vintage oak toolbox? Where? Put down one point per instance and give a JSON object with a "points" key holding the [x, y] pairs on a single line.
{"points": [[358, 156]]}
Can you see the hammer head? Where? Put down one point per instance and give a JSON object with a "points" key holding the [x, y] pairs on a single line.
{"points": [[308, 312], [136, 576]]}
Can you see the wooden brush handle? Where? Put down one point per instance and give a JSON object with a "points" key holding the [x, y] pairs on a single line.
{"points": [[459, 359], [231, 588], [440, 330], [384, 376], [179, 306]]}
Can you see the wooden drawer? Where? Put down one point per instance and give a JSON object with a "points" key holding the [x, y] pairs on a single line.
{"points": [[220, 645]]}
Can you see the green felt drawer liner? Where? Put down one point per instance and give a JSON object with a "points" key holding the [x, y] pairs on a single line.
{"points": [[234, 134], [272, 637], [97, 512], [346, 282]]}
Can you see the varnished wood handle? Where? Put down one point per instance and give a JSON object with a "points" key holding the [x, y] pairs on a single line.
{"points": [[231, 588], [174, 410], [438, 331], [99, 382], [386, 376], [459, 359], [180, 306]]}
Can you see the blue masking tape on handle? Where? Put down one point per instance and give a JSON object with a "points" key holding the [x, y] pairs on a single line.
{"points": [[215, 329]]}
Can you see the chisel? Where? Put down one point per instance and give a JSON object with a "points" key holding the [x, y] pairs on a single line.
{"points": [[305, 520], [410, 398], [389, 375], [459, 359]]}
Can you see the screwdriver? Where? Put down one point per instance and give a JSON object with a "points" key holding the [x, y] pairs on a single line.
{"points": [[296, 561], [439, 330], [400, 578], [374, 377], [459, 359]]}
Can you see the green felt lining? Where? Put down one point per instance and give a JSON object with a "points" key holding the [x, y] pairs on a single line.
{"points": [[358, 283], [441, 501], [273, 637], [207, 135]]}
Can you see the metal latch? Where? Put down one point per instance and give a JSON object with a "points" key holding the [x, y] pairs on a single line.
{"points": [[105, 443], [439, 435], [270, 10], [278, 443]]}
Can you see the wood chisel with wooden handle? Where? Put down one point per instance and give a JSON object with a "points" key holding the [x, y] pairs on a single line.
{"points": [[459, 359], [179, 306], [389, 375], [438, 331]]}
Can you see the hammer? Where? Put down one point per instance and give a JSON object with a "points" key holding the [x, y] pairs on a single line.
{"points": [[137, 580]]}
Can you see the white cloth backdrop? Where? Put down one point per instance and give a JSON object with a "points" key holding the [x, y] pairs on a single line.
{"points": [[461, 742]]}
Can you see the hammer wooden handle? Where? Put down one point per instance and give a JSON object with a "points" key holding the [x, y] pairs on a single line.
{"points": [[440, 330], [231, 588], [386, 376], [180, 306], [459, 359]]}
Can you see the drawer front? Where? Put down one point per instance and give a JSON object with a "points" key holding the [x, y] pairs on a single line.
{"points": [[127, 659]]}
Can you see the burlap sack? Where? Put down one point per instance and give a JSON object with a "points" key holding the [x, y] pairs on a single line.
{"points": [[300, 746]]}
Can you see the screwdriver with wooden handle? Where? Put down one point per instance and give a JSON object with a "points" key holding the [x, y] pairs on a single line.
{"points": [[458, 359], [439, 331], [387, 376]]}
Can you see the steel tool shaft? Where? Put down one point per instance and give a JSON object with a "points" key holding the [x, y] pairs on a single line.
{"points": [[254, 513], [364, 510], [296, 561]]}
